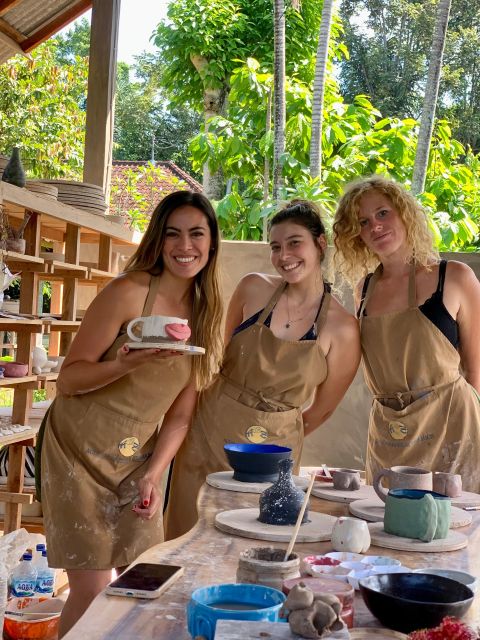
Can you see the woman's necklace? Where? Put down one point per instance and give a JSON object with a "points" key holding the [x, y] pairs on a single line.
{"points": [[290, 320]]}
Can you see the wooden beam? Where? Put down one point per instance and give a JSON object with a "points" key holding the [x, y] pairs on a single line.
{"points": [[101, 93], [12, 44], [6, 5], [58, 22], [14, 34]]}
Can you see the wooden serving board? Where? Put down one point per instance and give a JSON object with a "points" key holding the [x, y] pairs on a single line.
{"points": [[380, 538], [374, 511], [466, 499], [327, 492], [224, 480], [255, 630], [244, 522]]}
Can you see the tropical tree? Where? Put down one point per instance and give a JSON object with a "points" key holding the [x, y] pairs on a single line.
{"points": [[278, 95], [431, 94], [319, 89]]}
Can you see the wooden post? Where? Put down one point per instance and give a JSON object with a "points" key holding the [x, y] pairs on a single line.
{"points": [[32, 234], [13, 510], [105, 253], [101, 93]]}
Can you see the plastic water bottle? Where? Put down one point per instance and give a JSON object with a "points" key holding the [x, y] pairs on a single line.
{"points": [[37, 556], [45, 577], [24, 578]]}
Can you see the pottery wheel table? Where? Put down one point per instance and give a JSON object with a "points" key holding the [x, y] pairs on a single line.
{"points": [[380, 538], [224, 480], [466, 499], [374, 511], [244, 522], [343, 495]]}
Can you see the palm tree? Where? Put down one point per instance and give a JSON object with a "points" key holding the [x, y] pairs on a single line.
{"points": [[319, 89], [279, 110], [430, 98]]}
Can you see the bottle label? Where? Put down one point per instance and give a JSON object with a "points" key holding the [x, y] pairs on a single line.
{"points": [[23, 588], [45, 584]]}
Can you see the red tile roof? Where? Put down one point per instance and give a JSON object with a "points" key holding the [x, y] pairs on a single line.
{"points": [[136, 185]]}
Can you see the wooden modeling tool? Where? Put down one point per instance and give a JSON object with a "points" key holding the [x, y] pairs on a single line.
{"points": [[300, 517], [326, 471]]}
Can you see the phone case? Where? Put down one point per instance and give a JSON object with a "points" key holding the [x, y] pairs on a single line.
{"points": [[140, 593]]}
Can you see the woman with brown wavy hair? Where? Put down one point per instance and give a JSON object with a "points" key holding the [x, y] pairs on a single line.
{"points": [[419, 320], [292, 351], [103, 456]]}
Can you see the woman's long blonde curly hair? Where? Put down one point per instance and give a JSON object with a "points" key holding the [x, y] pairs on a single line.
{"points": [[353, 259]]}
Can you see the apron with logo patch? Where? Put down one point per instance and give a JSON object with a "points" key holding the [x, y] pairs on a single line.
{"points": [[424, 412], [95, 448], [256, 398]]}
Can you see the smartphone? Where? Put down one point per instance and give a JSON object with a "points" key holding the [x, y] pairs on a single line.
{"points": [[144, 580]]}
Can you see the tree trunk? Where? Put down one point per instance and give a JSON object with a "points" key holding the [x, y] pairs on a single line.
{"points": [[214, 101], [430, 99], [319, 90], [279, 115], [266, 166]]}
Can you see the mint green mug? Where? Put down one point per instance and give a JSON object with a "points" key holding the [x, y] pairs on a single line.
{"points": [[417, 513]]}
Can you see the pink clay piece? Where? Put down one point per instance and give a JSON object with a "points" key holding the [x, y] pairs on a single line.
{"points": [[178, 331]]}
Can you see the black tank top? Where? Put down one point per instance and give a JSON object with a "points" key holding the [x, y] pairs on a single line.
{"points": [[311, 333], [433, 308]]}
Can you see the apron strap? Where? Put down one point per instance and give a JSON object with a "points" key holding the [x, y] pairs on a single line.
{"points": [[412, 286], [371, 286], [271, 303], [323, 309], [152, 294]]}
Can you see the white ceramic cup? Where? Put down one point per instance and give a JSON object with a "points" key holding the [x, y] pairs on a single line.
{"points": [[151, 327]]}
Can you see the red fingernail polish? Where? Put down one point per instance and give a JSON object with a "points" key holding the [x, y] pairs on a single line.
{"points": [[146, 503]]}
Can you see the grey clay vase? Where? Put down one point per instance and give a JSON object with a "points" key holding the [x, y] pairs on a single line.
{"points": [[13, 172], [281, 503]]}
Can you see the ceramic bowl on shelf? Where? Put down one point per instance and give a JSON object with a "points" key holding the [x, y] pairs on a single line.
{"points": [[14, 369], [460, 576], [255, 462], [409, 601]]}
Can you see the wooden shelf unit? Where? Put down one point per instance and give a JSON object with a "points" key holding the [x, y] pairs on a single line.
{"points": [[67, 226]]}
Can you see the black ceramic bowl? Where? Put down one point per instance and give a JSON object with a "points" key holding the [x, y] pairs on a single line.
{"points": [[409, 601], [255, 462]]}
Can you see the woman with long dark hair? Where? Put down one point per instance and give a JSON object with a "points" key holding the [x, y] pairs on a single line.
{"points": [[103, 455]]}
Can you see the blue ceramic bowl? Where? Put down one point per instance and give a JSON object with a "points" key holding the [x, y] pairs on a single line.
{"points": [[255, 462], [409, 601], [231, 602]]}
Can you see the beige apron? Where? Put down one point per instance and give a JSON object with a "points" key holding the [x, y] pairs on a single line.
{"points": [[256, 398], [95, 448], [424, 412]]}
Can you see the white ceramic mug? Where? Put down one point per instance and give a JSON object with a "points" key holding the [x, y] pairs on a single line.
{"points": [[151, 327]]}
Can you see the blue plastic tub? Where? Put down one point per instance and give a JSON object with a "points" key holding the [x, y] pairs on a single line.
{"points": [[247, 602], [255, 462]]}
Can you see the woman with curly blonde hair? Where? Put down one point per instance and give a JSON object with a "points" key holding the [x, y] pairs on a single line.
{"points": [[419, 332]]}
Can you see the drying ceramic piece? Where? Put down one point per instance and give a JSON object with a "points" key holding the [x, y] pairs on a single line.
{"points": [[380, 538], [450, 484], [401, 477], [336, 495], [346, 479], [266, 565], [312, 616], [168, 346], [158, 329], [415, 513], [350, 534], [374, 511], [225, 480], [244, 522], [280, 504], [13, 171]]}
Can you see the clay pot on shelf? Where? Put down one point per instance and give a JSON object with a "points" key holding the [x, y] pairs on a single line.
{"points": [[14, 369]]}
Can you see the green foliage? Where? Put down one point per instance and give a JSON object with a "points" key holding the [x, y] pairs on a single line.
{"points": [[221, 32], [357, 141], [40, 112]]}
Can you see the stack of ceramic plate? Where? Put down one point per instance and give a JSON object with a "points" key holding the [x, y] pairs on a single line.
{"points": [[3, 164], [45, 190], [81, 195]]}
